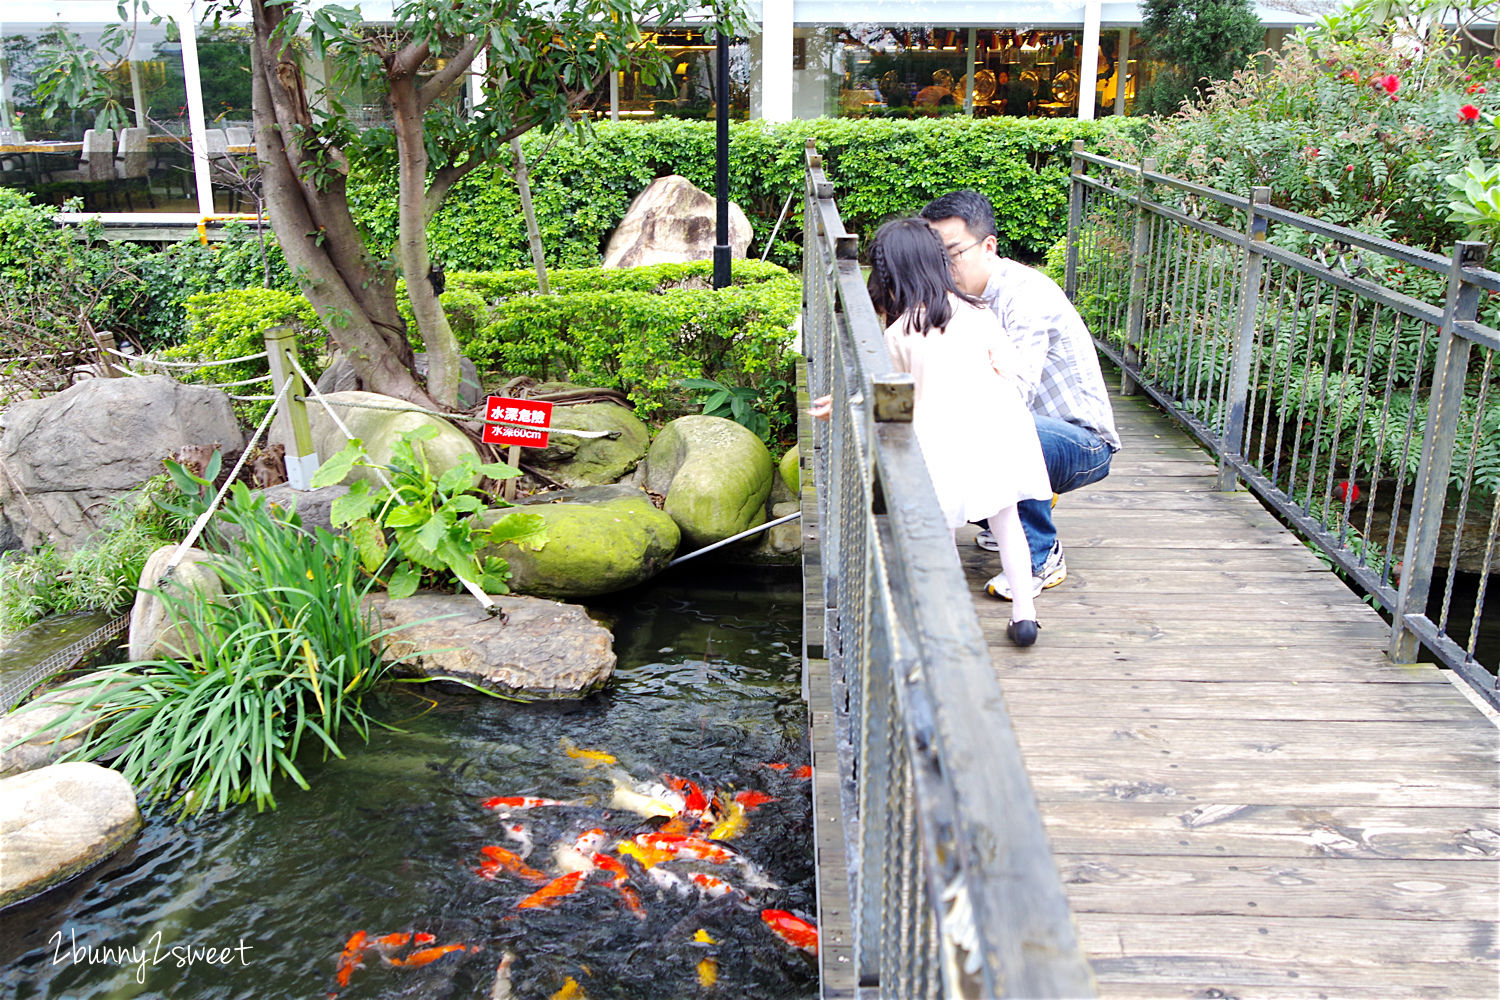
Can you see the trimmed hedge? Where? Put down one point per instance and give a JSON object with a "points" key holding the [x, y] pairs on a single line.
{"points": [[880, 169]]}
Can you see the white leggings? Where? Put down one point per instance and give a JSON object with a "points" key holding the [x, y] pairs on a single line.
{"points": [[1015, 560]]}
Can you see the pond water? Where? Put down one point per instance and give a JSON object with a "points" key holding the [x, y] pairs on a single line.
{"points": [[388, 842]]}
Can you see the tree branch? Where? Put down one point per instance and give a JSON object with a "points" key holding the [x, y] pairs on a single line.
{"points": [[457, 66]]}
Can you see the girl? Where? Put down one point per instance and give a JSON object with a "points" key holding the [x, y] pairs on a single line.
{"points": [[976, 434]]}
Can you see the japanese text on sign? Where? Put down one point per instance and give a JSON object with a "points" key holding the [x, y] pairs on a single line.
{"points": [[536, 416]]}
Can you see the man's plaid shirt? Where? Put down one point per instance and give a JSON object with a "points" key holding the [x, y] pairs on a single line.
{"points": [[1060, 374]]}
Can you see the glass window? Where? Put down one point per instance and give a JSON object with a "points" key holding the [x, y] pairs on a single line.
{"points": [[689, 89]]}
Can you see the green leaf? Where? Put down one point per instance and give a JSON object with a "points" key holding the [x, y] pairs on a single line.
{"points": [[352, 505], [369, 539], [700, 383], [527, 531], [431, 534], [498, 470], [336, 468], [407, 516], [457, 478], [404, 581]]}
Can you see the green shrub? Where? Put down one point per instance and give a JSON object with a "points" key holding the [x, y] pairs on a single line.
{"points": [[643, 330], [880, 169], [233, 324], [100, 575]]}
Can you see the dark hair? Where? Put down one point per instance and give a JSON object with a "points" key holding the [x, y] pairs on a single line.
{"points": [[970, 206], [910, 273]]}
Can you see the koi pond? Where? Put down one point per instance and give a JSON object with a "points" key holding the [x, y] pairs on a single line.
{"points": [[367, 885]]}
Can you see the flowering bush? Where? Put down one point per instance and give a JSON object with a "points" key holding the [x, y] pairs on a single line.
{"points": [[1353, 127]]}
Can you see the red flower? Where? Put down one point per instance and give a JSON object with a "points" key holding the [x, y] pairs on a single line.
{"points": [[1468, 113], [1389, 83], [1497, 62], [1346, 490], [1311, 152], [1349, 168], [1474, 88]]}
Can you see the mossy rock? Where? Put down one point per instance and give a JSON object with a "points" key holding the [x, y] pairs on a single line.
{"points": [[791, 470], [715, 474], [575, 461]]}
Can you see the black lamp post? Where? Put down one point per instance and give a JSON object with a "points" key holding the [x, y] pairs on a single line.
{"points": [[721, 164]]}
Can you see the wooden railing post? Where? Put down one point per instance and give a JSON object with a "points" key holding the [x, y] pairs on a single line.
{"points": [[1075, 219], [1140, 247], [1429, 494], [1244, 342], [301, 455]]}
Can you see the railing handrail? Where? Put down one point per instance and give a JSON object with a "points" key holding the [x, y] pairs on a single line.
{"points": [[1002, 919], [1456, 330]]}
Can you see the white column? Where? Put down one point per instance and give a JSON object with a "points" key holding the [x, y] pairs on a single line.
{"points": [[1088, 62], [1122, 71], [137, 92], [477, 69], [194, 83], [6, 110], [614, 94], [776, 60]]}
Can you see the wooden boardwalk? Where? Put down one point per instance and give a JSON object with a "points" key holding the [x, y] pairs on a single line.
{"points": [[1245, 798]]}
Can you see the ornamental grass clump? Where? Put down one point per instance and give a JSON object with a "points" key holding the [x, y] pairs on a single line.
{"points": [[284, 660]]}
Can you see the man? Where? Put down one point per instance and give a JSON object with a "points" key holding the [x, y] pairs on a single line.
{"points": [[1060, 377]]}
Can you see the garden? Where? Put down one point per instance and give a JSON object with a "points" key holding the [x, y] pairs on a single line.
{"points": [[329, 773]]}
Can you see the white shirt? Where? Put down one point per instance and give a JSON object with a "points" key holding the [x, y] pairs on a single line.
{"points": [[1059, 371]]}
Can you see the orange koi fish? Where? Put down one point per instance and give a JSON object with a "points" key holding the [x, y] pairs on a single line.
{"points": [[553, 892], [649, 857], [497, 857], [751, 799], [612, 866], [350, 958], [777, 766], [792, 929], [428, 955], [395, 942], [804, 772]]}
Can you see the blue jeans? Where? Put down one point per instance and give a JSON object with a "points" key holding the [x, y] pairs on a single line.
{"points": [[1075, 457]]}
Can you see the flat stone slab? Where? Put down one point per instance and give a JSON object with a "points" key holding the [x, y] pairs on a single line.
{"points": [[59, 820], [542, 650]]}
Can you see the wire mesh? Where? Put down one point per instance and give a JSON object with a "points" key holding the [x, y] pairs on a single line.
{"points": [[1346, 337]]}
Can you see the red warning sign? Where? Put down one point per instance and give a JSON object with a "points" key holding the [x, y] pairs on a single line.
{"points": [[535, 415]]}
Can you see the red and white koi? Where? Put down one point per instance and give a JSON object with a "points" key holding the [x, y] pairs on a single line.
{"points": [[522, 836], [612, 866], [395, 942], [668, 881], [751, 799], [694, 802], [352, 956], [646, 800], [792, 929], [710, 886], [506, 804]]}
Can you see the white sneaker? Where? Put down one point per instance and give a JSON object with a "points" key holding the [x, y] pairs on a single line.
{"points": [[986, 540], [1053, 572]]}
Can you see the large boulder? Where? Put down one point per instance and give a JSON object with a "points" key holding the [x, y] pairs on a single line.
{"points": [[672, 222], [379, 421], [24, 747], [339, 376], [155, 627], [790, 468], [58, 821], [575, 461], [540, 649], [64, 457], [715, 474], [599, 539], [314, 507]]}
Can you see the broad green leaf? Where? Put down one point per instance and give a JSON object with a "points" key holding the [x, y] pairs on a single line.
{"points": [[336, 468], [457, 478], [431, 534], [426, 432], [408, 515], [352, 505], [700, 383], [498, 470], [369, 539], [527, 531], [464, 503], [404, 581]]}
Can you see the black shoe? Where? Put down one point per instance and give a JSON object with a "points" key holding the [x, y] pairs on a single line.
{"points": [[1022, 633]]}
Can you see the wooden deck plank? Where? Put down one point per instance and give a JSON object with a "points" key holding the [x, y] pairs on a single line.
{"points": [[1246, 797]]}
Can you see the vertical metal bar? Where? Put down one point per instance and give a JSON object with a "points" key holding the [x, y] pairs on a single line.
{"points": [[1244, 345], [1286, 390], [1136, 303], [1408, 435], [1450, 365], [1462, 514], [1075, 217]]}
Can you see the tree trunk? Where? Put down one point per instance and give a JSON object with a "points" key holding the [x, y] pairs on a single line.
{"points": [[306, 196], [443, 372], [533, 234]]}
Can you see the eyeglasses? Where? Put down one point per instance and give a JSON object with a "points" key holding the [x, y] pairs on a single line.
{"points": [[956, 252]]}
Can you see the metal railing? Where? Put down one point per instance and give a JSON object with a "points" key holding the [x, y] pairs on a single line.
{"points": [[954, 890], [1345, 378]]}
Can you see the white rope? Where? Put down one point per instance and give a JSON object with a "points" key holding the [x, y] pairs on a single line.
{"points": [[464, 416], [202, 522], [249, 399], [246, 381], [183, 364]]}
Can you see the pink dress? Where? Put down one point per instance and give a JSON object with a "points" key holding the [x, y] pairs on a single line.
{"points": [[976, 435]]}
